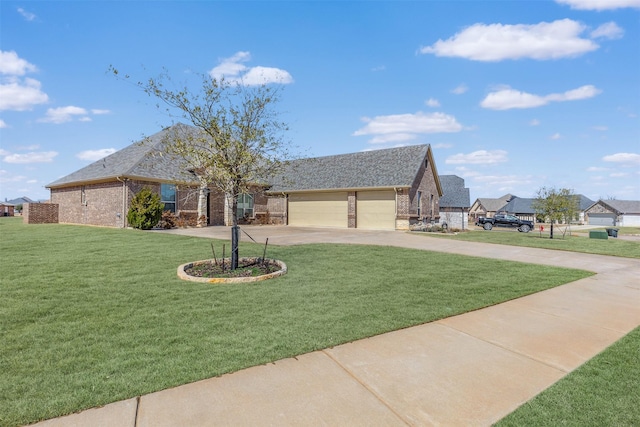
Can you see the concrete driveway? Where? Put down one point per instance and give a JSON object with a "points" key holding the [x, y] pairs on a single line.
{"points": [[467, 370]]}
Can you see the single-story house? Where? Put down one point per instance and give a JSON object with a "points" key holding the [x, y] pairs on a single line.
{"points": [[382, 189], [455, 202], [7, 209], [620, 213], [487, 207]]}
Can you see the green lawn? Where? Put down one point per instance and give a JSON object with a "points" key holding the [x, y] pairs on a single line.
{"points": [[534, 239], [605, 391], [92, 315]]}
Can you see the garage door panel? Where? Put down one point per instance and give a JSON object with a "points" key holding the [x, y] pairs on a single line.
{"points": [[602, 219], [376, 210], [318, 209]]}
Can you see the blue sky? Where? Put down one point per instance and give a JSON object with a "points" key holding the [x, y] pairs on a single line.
{"points": [[511, 95]]}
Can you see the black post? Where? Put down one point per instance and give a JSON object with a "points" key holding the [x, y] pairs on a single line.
{"points": [[235, 237], [551, 234]]}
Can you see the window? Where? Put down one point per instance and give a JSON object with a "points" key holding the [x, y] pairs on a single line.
{"points": [[419, 203], [83, 195], [168, 197], [245, 205]]}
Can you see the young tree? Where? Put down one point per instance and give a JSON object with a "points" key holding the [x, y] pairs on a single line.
{"points": [[239, 139], [146, 210], [555, 205]]}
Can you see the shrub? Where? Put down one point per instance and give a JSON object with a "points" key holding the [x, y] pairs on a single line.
{"points": [[146, 210]]}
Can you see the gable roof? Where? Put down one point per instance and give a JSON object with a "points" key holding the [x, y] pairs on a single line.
{"points": [[455, 195], [584, 202], [620, 207], [141, 160], [387, 168], [20, 201], [518, 205], [494, 205]]}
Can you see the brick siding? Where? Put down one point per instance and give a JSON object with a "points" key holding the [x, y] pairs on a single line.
{"points": [[40, 213]]}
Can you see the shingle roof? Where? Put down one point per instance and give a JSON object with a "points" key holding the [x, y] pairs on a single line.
{"points": [[143, 159], [455, 195], [622, 206], [519, 205], [494, 205], [392, 167]]}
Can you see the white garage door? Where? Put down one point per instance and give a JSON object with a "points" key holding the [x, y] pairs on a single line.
{"points": [[376, 210], [602, 219], [631, 220], [318, 210]]}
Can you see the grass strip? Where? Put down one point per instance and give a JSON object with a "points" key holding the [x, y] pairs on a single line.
{"points": [[602, 392], [90, 316], [534, 239]]}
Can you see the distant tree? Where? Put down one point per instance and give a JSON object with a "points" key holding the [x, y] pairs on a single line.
{"points": [[146, 210], [240, 139], [555, 205]]}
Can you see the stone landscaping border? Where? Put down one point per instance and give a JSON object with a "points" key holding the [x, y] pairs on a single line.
{"points": [[184, 276]]}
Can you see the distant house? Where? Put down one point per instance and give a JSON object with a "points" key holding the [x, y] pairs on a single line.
{"points": [[523, 208], [486, 207], [621, 213], [7, 209], [455, 202], [381, 189], [21, 201]]}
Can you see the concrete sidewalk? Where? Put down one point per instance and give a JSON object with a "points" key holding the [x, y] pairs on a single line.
{"points": [[471, 369]]}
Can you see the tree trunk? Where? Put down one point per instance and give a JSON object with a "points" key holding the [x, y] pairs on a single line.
{"points": [[551, 232], [235, 233], [202, 206]]}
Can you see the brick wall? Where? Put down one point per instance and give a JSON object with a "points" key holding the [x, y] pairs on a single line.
{"points": [[40, 213], [93, 204]]}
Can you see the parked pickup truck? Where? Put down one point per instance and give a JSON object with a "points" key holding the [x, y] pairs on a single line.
{"points": [[505, 221]]}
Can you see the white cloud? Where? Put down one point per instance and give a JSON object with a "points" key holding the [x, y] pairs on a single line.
{"points": [[98, 112], [3, 124], [618, 174], [506, 99], [233, 70], [63, 114], [596, 169], [16, 93], [600, 128], [480, 157], [93, 155], [26, 14], [21, 95], [4, 152], [497, 42], [379, 68], [6, 176], [624, 159], [35, 157], [460, 89], [432, 102], [404, 127], [610, 31], [600, 4], [555, 136], [13, 65], [534, 122]]}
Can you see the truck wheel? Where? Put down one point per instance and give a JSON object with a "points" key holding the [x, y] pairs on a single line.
{"points": [[487, 226], [524, 228]]}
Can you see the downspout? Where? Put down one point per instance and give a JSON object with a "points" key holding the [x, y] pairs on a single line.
{"points": [[124, 200]]}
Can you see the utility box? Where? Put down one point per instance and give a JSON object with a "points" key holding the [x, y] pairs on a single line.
{"points": [[598, 234]]}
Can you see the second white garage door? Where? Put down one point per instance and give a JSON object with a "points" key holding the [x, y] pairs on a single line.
{"points": [[376, 210], [318, 209]]}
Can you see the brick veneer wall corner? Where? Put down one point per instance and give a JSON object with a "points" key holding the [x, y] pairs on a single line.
{"points": [[40, 213]]}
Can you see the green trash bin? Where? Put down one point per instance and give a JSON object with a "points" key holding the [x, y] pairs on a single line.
{"points": [[598, 234]]}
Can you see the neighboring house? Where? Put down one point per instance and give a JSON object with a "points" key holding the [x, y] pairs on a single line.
{"points": [[21, 201], [7, 209], [520, 207], [383, 189], [455, 202], [620, 213], [523, 208], [486, 207]]}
